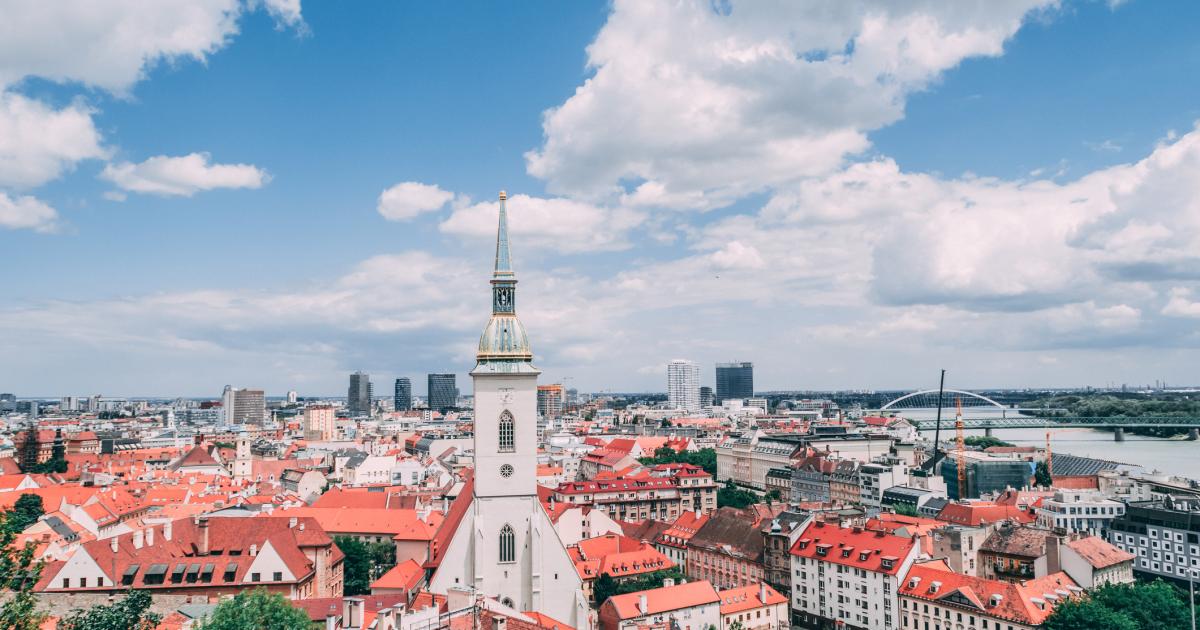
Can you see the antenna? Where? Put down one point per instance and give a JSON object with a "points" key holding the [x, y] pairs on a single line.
{"points": [[962, 452]]}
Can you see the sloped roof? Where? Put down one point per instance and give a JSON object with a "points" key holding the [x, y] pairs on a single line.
{"points": [[853, 547], [406, 575], [731, 532], [1099, 553], [1029, 602], [742, 598], [667, 598]]}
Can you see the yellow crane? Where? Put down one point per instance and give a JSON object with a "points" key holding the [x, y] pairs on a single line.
{"points": [[961, 464]]}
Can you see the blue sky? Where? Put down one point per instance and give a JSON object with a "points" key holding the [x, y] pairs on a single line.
{"points": [[1004, 191]]}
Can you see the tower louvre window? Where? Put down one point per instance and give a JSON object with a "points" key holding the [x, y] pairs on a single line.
{"points": [[507, 433], [508, 544]]}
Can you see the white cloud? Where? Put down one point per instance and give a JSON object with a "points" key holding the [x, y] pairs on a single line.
{"points": [[26, 213], [407, 200], [287, 12], [1181, 304], [182, 176], [696, 106], [557, 223], [38, 143], [110, 45]]}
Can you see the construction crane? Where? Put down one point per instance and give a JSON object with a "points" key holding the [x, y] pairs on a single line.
{"points": [[961, 443], [1049, 458]]}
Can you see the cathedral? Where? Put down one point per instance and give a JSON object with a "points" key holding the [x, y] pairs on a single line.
{"points": [[505, 546]]}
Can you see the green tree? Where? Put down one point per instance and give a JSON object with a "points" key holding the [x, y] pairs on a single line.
{"points": [[605, 586], [19, 571], [25, 512], [774, 495], [364, 563], [705, 458], [1086, 614], [730, 495], [131, 613], [985, 441], [1138, 606], [257, 609], [904, 509], [1041, 475]]}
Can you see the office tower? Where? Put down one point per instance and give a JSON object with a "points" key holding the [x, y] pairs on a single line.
{"points": [[244, 406], [403, 397], [8, 402], [706, 397], [683, 385], [735, 381], [359, 396], [443, 393], [292, 397], [550, 401], [69, 403], [320, 423]]}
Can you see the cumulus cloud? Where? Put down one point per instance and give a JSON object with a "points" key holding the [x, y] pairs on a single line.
{"points": [[697, 106], [182, 176], [112, 45], [26, 213], [407, 200], [1181, 304], [38, 142], [558, 223]]}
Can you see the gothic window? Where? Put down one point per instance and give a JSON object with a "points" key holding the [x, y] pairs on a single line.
{"points": [[508, 544], [508, 442]]}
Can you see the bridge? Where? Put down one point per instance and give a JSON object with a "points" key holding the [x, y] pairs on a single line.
{"points": [[1067, 422], [1025, 418]]}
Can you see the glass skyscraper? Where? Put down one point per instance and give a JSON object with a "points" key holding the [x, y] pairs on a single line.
{"points": [[403, 396], [443, 393], [735, 381]]}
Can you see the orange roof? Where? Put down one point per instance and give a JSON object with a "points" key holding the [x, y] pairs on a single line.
{"points": [[616, 556], [1028, 602], [665, 599], [743, 598], [854, 547], [406, 575], [399, 524], [1099, 553], [979, 512]]}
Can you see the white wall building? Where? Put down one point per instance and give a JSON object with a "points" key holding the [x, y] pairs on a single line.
{"points": [[1082, 511], [683, 385]]}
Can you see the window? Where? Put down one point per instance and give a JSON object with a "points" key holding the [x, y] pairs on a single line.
{"points": [[277, 576], [508, 442], [255, 577], [508, 544]]}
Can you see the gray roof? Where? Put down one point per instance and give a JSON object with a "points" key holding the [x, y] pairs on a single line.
{"points": [[1073, 465]]}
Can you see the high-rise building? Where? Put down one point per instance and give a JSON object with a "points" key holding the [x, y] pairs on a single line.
{"points": [[735, 381], [443, 393], [706, 397], [244, 406], [504, 544], [550, 402], [402, 400], [683, 385], [292, 397], [360, 395]]}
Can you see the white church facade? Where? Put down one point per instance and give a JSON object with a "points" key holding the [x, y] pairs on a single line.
{"points": [[505, 546]]}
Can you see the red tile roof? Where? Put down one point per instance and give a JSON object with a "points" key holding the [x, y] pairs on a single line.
{"points": [[616, 556], [1029, 602], [399, 524], [406, 575], [979, 512], [854, 547]]}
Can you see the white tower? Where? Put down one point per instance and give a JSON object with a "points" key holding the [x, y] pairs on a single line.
{"points": [[506, 547], [241, 460]]}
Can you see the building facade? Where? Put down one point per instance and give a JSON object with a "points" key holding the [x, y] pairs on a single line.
{"points": [[244, 406], [443, 392], [359, 395], [1163, 535]]}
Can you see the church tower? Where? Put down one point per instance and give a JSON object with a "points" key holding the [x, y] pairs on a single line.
{"points": [[506, 547]]}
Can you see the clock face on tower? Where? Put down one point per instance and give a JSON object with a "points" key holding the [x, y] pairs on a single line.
{"points": [[506, 395]]}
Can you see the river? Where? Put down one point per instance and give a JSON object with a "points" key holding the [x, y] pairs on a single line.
{"points": [[1172, 456]]}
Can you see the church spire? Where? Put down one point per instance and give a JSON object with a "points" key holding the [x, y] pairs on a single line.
{"points": [[503, 257]]}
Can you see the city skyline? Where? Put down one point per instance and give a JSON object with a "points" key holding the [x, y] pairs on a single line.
{"points": [[971, 209]]}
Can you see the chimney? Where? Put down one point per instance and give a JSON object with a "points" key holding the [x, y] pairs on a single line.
{"points": [[167, 530], [762, 592], [643, 605], [137, 539], [150, 536], [292, 523], [202, 524], [253, 550], [301, 526], [114, 544], [352, 612]]}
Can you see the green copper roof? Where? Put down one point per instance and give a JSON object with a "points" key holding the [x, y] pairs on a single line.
{"points": [[503, 257], [503, 339]]}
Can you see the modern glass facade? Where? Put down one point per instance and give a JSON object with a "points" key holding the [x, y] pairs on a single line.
{"points": [[735, 381], [403, 395], [443, 392]]}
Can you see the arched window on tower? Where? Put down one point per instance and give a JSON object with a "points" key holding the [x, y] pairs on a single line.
{"points": [[508, 433], [508, 544]]}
